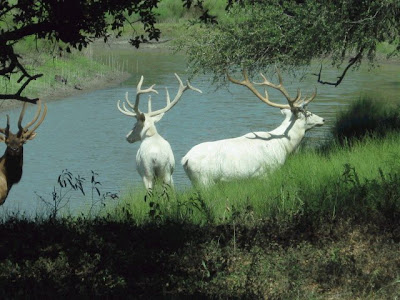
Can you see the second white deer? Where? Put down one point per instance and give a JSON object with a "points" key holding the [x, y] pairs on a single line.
{"points": [[255, 153], [154, 158]]}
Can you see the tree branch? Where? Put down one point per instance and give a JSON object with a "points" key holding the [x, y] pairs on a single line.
{"points": [[352, 61], [18, 97], [27, 30]]}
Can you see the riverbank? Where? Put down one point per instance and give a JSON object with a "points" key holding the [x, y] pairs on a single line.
{"points": [[63, 76], [62, 91], [62, 81]]}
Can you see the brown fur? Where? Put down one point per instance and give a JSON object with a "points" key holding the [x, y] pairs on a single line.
{"points": [[12, 161], [10, 172]]}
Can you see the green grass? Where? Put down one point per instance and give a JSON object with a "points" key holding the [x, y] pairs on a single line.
{"points": [[78, 68], [358, 121], [333, 179], [173, 10], [173, 19], [311, 182], [386, 49], [324, 226]]}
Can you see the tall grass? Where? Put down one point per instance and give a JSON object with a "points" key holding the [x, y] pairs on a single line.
{"points": [[366, 117], [325, 225], [311, 182], [338, 179]]}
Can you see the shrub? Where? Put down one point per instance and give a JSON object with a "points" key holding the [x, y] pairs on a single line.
{"points": [[366, 117]]}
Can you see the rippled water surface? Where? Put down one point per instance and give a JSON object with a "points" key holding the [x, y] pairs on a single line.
{"points": [[87, 132]]}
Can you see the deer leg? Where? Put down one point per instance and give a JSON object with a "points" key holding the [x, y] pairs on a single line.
{"points": [[168, 183], [148, 183], [168, 180]]}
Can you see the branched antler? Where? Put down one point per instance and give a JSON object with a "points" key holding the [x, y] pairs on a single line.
{"points": [[294, 104]]}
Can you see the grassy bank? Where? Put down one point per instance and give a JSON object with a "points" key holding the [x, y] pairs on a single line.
{"points": [[324, 226], [64, 74], [318, 184], [343, 177], [337, 240]]}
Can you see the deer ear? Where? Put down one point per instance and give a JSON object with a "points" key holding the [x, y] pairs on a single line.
{"points": [[2, 138], [158, 117], [142, 117]]}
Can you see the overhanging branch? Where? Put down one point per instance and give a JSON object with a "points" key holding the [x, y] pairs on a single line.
{"points": [[18, 97], [15, 66], [352, 61]]}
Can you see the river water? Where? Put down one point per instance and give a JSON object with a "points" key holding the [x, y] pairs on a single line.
{"points": [[87, 132]]}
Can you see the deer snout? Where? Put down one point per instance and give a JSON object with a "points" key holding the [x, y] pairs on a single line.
{"points": [[14, 151], [129, 137], [321, 122], [132, 136]]}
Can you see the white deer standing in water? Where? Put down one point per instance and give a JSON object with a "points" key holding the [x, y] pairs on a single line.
{"points": [[154, 158], [255, 153]]}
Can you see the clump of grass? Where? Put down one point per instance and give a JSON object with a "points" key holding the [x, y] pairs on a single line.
{"points": [[366, 117]]}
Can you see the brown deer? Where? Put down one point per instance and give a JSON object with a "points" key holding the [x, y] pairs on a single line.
{"points": [[12, 160]]}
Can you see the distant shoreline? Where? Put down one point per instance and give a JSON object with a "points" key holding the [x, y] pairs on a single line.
{"points": [[112, 78]]}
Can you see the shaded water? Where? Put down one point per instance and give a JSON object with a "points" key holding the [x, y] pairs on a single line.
{"points": [[87, 132]]}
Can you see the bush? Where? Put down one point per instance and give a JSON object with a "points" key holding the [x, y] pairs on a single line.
{"points": [[366, 117]]}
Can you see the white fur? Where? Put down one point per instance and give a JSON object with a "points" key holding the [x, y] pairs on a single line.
{"points": [[154, 158], [250, 155]]}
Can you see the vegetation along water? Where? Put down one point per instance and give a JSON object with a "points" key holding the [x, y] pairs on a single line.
{"points": [[323, 226]]}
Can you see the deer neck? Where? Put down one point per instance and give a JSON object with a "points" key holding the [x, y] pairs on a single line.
{"points": [[11, 166], [149, 132], [291, 132]]}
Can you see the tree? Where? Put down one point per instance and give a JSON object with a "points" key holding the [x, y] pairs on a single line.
{"points": [[69, 24], [258, 34]]}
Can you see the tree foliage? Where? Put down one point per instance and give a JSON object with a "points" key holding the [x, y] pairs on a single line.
{"points": [[259, 34], [255, 33], [70, 24]]}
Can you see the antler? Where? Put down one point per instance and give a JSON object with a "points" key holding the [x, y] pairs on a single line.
{"points": [[135, 107], [294, 103], [181, 90], [170, 104], [23, 131], [6, 130]]}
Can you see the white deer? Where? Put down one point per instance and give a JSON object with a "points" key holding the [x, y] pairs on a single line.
{"points": [[255, 153], [154, 158]]}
